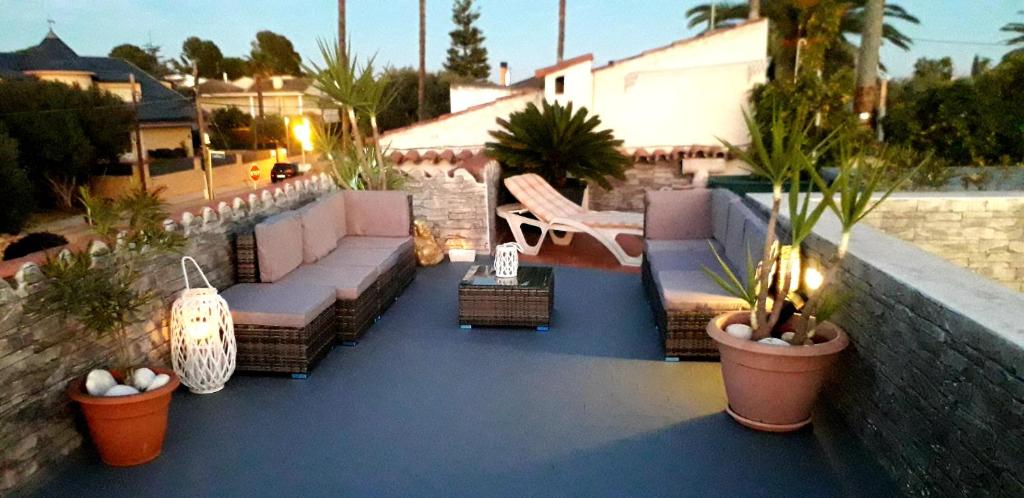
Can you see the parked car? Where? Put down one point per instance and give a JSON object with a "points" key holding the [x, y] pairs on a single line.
{"points": [[284, 171]]}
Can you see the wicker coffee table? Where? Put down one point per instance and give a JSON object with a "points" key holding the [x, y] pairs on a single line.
{"points": [[523, 301]]}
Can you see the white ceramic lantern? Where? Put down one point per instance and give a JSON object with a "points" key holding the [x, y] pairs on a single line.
{"points": [[202, 336], [506, 260]]}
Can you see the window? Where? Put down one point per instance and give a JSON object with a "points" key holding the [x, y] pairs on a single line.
{"points": [[560, 85]]}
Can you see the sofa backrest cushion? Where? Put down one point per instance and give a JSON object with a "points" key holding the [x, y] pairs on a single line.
{"points": [[677, 214], [735, 253], [720, 200], [755, 230], [318, 234], [336, 203], [279, 245], [378, 213]]}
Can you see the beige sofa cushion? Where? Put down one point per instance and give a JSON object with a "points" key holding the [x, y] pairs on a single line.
{"points": [[694, 291], [318, 232], [380, 259], [336, 203], [678, 214], [400, 244], [378, 213], [684, 255], [279, 245], [349, 282], [277, 305]]}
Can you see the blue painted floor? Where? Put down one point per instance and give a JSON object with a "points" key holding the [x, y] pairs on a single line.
{"points": [[423, 408]]}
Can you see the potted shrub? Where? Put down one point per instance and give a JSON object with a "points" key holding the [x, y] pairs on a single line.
{"points": [[101, 290], [775, 357], [562, 146]]}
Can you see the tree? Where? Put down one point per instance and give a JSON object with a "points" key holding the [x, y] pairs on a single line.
{"points": [[979, 65], [280, 53], [934, 70], [234, 67], [203, 53], [341, 27], [561, 30], [1017, 28], [146, 60], [261, 68], [755, 10], [865, 97], [15, 188], [467, 56], [404, 109], [422, 79]]}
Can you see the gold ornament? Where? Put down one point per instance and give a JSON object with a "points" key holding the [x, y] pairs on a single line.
{"points": [[428, 251]]}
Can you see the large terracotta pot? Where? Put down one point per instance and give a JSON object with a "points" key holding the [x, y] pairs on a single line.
{"points": [[773, 388], [127, 430]]}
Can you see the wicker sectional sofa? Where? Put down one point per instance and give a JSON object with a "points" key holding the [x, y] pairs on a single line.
{"points": [[318, 274], [680, 229]]}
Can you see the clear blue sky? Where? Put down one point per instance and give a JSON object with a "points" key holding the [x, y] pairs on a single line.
{"points": [[522, 32]]}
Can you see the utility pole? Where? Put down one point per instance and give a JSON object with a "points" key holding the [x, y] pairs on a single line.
{"points": [[140, 163], [206, 161]]}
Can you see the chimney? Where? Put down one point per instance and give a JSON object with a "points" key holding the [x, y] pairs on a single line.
{"points": [[225, 76], [278, 82], [504, 76]]}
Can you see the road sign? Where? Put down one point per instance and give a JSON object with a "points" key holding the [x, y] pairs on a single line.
{"points": [[254, 173]]}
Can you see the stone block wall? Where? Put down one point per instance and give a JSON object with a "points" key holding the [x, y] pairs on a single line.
{"points": [[628, 195], [40, 356], [933, 380], [980, 231], [456, 203]]}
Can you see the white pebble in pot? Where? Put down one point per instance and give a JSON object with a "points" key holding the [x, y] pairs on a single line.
{"points": [[98, 382], [740, 331], [142, 378], [158, 382], [773, 341], [121, 390]]}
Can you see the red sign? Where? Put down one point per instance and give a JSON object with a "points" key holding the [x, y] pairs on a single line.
{"points": [[254, 173]]}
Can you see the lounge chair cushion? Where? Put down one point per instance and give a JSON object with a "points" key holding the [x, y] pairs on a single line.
{"points": [[694, 291], [611, 219], [378, 213], [400, 244], [683, 255], [720, 200], [279, 245], [678, 214], [349, 282], [336, 202], [277, 305], [318, 234], [380, 259], [538, 196]]}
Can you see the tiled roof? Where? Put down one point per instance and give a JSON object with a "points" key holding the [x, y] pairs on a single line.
{"points": [[459, 113], [544, 71], [218, 86]]}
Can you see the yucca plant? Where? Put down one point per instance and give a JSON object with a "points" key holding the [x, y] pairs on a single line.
{"points": [[557, 143]]}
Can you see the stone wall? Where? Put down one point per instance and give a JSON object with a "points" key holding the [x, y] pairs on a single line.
{"points": [[455, 202], [980, 231], [933, 380], [39, 356], [657, 172]]}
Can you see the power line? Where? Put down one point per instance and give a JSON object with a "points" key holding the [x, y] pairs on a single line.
{"points": [[959, 42]]}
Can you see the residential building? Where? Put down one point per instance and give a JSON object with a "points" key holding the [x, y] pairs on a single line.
{"points": [[282, 95]]}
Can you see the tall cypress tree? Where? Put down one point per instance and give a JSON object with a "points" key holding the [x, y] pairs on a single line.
{"points": [[467, 56]]}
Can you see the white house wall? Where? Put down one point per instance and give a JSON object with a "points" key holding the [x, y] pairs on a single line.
{"points": [[578, 88], [463, 97], [462, 130]]}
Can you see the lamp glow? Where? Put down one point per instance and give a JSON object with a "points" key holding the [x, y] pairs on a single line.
{"points": [[813, 279], [203, 345]]}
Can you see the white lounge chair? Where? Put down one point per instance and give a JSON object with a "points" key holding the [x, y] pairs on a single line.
{"points": [[562, 218]]}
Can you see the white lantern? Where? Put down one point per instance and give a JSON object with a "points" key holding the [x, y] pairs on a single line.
{"points": [[506, 260], [202, 336]]}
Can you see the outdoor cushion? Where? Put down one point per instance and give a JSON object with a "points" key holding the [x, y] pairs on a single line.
{"points": [[541, 198], [735, 252], [279, 245], [678, 214], [400, 244], [318, 235], [379, 213], [336, 203], [693, 291], [380, 259], [277, 305], [349, 282], [687, 255], [720, 200]]}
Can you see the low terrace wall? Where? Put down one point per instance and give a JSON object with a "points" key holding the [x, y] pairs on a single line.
{"points": [[656, 172], [41, 355], [458, 202], [933, 380]]}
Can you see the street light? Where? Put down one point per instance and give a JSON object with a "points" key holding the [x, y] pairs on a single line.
{"points": [[303, 133]]}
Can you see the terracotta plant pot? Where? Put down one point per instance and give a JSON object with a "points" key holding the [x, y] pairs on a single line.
{"points": [[773, 388], [127, 430]]}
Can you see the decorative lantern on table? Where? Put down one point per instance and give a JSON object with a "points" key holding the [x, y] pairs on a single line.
{"points": [[506, 260], [459, 250], [202, 336]]}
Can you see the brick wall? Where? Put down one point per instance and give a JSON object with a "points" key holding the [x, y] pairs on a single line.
{"points": [[933, 380], [980, 231], [40, 356], [456, 203]]}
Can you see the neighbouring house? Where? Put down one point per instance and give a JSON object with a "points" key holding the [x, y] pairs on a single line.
{"points": [[166, 117], [670, 105], [286, 96]]}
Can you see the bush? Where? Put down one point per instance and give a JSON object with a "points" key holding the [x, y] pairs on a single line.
{"points": [[269, 130], [15, 188], [33, 242]]}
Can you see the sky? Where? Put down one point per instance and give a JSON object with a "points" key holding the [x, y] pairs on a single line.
{"points": [[521, 32]]}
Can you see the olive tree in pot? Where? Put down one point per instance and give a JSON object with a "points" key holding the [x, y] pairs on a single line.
{"points": [[101, 290], [776, 357], [563, 146]]}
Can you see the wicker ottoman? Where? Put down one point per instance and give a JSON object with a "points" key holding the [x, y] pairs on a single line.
{"points": [[526, 300]]}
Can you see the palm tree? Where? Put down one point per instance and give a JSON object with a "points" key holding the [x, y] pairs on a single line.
{"points": [[866, 93], [1016, 28], [755, 10], [341, 27], [260, 66], [561, 30], [421, 108]]}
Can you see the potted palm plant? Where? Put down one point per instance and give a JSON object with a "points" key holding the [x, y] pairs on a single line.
{"points": [[561, 145], [775, 357], [102, 291]]}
